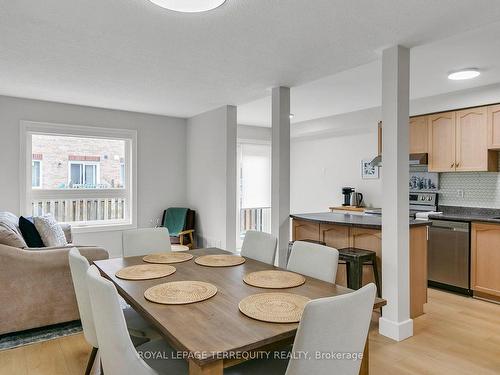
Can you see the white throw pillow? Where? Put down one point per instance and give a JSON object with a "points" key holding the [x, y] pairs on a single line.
{"points": [[50, 231]]}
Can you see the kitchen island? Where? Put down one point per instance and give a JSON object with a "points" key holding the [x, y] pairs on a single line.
{"points": [[342, 230]]}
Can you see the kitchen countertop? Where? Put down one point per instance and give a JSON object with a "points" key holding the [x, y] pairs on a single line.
{"points": [[468, 214], [364, 221]]}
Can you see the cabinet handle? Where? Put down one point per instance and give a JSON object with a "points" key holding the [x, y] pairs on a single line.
{"points": [[457, 165], [452, 165]]}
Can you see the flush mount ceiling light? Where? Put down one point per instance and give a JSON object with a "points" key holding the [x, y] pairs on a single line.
{"points": [[464, 74], [189, 6]]}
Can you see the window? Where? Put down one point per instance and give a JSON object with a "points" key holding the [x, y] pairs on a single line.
{"points": [[84, 174], [88, 175], [36, 173]]}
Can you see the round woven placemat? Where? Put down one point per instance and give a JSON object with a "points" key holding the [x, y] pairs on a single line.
{"points": [[273, 279], [180, 292], [145, 272], [167, 258], [274, 307], [219, 260]]}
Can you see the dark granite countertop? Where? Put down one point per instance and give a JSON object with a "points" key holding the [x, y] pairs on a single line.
{"points": [[468, 214], [364, 221]]}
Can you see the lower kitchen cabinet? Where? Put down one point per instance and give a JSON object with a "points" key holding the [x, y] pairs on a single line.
{"points": [[485, 260]]}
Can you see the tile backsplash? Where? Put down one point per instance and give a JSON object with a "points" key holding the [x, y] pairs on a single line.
{"points": [[480, 189]]}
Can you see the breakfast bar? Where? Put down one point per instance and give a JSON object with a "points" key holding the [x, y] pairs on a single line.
{"points": [[345, 230]]}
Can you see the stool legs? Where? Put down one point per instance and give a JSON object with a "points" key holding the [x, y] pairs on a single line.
{"points": [[377, 278], [354, 272]]}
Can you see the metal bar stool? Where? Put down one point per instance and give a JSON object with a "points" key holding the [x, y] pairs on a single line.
{"points": [[355, 259]]}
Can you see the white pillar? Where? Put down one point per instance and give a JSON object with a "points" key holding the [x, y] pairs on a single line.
{"points": [[280, 186], [395, 322], [231, 184]]}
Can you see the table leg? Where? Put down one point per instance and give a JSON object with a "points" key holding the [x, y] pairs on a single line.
{"points": [[211, 368], [365, 363]]}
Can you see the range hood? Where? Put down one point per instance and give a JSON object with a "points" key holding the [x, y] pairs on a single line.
{"points": [[415, 159]]}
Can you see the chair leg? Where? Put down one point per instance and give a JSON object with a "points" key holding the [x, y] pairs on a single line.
{"points": [[91, 361]]}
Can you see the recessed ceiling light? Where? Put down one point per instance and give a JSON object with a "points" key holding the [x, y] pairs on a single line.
{"points": [[189, 6], [292, 116], [464, 74]]}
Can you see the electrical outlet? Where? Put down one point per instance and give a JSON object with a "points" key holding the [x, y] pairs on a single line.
{"points": [[460, 193]]}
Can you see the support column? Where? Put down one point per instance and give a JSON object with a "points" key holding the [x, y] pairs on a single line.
{"points": [[395, 322], [280, 186]]}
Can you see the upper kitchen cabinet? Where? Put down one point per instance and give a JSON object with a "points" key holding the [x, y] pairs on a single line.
{"points": [[472, 141], [494, 126], [441, 128], [458, 141], [418, 135]]}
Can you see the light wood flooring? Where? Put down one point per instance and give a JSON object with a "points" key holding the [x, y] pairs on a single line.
{"points": [[457, 335]]}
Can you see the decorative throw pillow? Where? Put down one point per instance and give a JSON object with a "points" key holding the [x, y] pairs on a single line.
{"points": [[30, 233], [50, 231], [10, 238]]}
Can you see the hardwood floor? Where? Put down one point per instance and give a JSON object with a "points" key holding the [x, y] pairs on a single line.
{"points": [[457, 335]]}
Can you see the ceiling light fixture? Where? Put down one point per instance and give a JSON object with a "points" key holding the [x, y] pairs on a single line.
{"points": [[464, 74], [292, 116], [189, 6]]}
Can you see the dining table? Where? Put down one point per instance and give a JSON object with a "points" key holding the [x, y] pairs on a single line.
{"points": [[214, 333]]}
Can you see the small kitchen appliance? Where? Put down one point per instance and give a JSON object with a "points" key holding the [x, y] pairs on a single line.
{"points": [[346, 192], [356, 199]]}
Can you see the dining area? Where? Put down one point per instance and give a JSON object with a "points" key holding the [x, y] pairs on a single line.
{"points": [[211, 311]]}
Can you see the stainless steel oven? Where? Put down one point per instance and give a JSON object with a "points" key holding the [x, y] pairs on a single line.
{"points": [[449, 256]]}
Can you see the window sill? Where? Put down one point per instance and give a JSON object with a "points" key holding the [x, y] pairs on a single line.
{"points": [[115, 227]]}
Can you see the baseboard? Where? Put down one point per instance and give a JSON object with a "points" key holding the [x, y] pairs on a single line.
{"points": [[397, 331]]}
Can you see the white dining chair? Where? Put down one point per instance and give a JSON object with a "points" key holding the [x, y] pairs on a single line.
{"points": [[137, 326], [145, 241], [314, 260], [259, 246], [117, 352], [329, 325]]}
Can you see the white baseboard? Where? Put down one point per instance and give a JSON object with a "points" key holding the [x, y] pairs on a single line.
{"points": [[397, 331]]}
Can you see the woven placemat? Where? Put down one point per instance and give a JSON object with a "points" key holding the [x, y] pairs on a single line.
{"points": [[145, 272], [167, 258], [219, 260], [273, 279], [180, 292], [274, 307]]}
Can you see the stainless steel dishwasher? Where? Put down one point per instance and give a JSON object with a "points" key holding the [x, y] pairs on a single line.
{"points": [[449, 256]]}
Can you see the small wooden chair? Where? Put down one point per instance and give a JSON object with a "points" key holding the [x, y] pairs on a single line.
{"points": [[180, 224]]}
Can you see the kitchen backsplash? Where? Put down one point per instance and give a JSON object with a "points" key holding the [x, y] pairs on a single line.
{"points": [[480, 189]]}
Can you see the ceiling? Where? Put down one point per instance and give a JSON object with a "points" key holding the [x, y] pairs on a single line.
{"points": [[133, 55], [360, 88]]}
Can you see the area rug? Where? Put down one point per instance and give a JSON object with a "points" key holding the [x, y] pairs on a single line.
{"points": [[31, 336]]}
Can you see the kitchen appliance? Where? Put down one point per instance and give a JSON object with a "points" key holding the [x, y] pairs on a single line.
{"points": [[346, 191], [356, 199], [449, 256], [419, 202]]}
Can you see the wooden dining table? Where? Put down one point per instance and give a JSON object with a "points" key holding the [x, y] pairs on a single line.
{"points": [[214, 332]]}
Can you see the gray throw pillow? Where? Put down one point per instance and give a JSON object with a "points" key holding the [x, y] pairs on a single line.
{"points": [[11, 238], [50, 231]]}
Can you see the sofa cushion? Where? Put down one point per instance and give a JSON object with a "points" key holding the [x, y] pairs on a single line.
{"points": [[30, 233], [50, 231], [11, 238]]}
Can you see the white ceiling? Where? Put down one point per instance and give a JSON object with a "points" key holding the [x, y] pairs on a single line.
{"points": [[360, 87], [133, 55]]}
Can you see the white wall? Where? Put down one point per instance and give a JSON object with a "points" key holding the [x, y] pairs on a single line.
{"points": [[161, 154], [211, 179]]}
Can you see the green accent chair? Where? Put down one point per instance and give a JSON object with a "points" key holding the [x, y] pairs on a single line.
{"points": [[180, 224]]}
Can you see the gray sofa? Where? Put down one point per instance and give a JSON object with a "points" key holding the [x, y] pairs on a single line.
{"points": [[36, 287]]}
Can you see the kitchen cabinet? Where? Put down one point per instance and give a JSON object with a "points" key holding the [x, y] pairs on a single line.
{"points": [[472, 141], [441, 129], [485, 258], [494, 126], [458, 141], [419, 135]]}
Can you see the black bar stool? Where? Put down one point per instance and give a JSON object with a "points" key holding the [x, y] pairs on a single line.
{"points": [[355, 259]]}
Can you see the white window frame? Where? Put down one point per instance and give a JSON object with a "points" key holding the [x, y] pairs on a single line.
{"points": [[84, 164], [41, 174], [27, 193]]}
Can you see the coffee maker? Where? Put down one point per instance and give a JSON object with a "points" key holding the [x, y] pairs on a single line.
{"points": [[346, 192]]}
